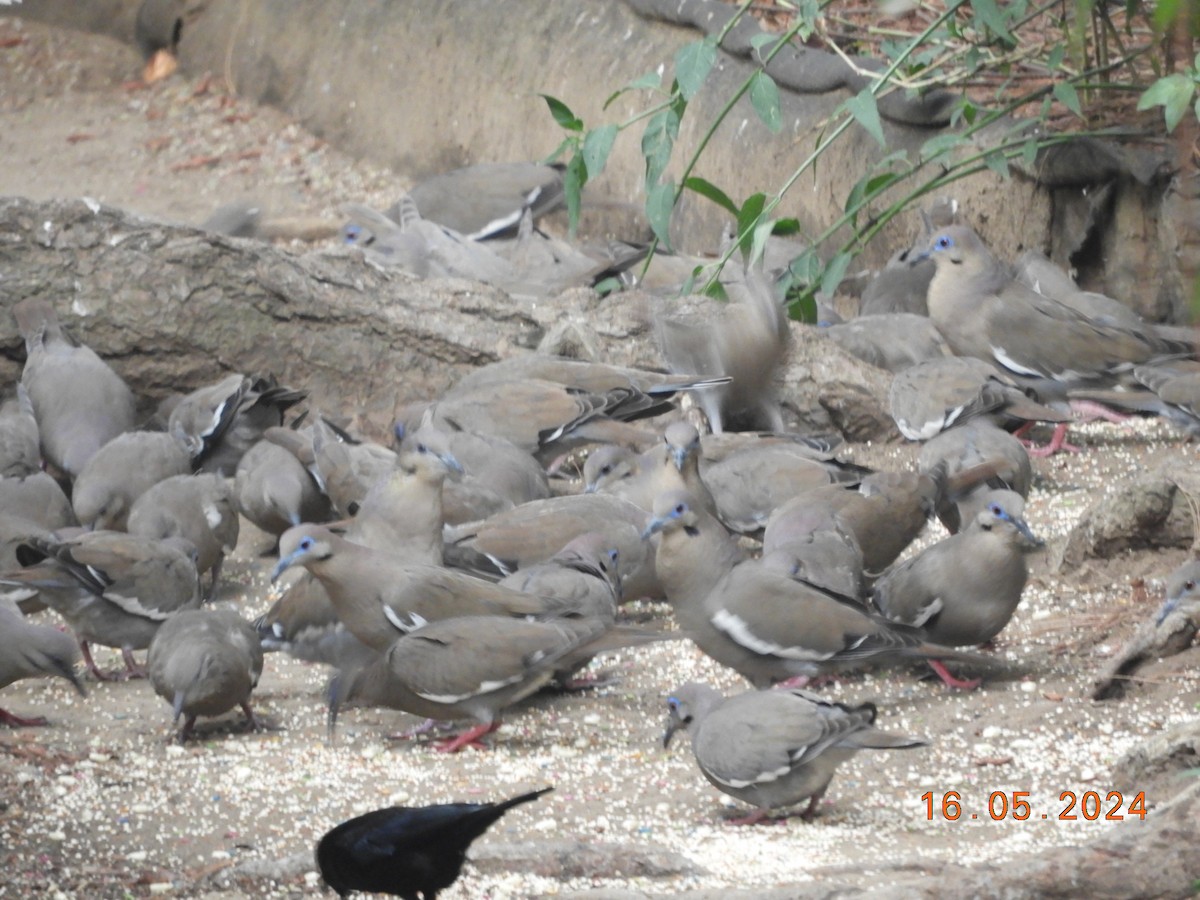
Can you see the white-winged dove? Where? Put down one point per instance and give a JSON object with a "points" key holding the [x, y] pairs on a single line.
{"points": [[471, 667], [964, 589], [984, 311], [774, 748], [1176, 386], [892, 341], [885, 514], [929, 397], [30, 650], [401, 516], [535, 531], [19, 453], [1036, 271], [488, 199], [901, 286], [585, 574], [547, 418], [749, 484], [204, 662], [113, 589], [672, 464], [274, 489], [199, 508], [121, 471], [37, 498], [391, 243], [80, 403], [755, 616], [379, 599], [222, 421], [1172, 631], [585, 577], [976, 443], [346, 468]]}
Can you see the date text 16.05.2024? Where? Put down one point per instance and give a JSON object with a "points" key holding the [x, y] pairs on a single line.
{"points": [[1089, 805]]}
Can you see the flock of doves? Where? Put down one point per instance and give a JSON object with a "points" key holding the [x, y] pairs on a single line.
{"points": [[451, 576]]}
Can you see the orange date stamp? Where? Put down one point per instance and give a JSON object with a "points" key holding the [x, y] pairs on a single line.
{"points": [[1072, 806]]}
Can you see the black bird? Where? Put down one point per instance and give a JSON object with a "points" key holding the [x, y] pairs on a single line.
{"points": [[409, 852]]}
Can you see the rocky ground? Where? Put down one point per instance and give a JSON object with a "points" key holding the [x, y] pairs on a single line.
{"points": [[101, 804]]}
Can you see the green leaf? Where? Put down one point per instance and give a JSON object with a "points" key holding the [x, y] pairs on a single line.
{"points": [[1165, 13], [747, 217], [660, 201], [658, 141], [1173, 93], [786, 226], [651, 81], [990, 15], [716, 290], [562, 113], [1029, 152], [692, 65], [758, 241], [569, 144], [835, 271], [866, 113], [610, 285], [574, 178], [597, 144], [939, 145], [805, 269], [1064, 93], [997, 162], [1057, 53], [710, 191], [764, 96], [803, 305], [761, 40]]}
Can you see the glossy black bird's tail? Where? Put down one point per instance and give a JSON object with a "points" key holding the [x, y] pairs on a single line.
{"points": [[505, 805]]}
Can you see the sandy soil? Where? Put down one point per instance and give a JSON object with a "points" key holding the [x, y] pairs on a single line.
{"points": [[102, 805]]}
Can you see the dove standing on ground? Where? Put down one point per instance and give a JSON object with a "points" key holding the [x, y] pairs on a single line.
{"points": [[672, 464], [474, 667], [200, 509], [755, 616], [379, 598], [121, 471], [80, 403], [30, 650], [901, 286], [204, 662], [113, 589], [774, 748], [963, 590], [407, 851], [984, 311], [346, 468], [401, 515]]}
